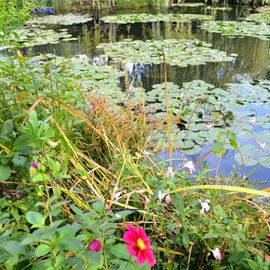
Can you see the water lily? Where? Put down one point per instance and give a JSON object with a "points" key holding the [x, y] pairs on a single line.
{"points": [[189, 165], [262, 145], [139, 245], [217, 254], [252, 121], [170, 172], [205, 206], [168, 199], [95, 246]]}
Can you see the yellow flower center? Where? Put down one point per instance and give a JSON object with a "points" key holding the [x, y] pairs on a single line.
{"points": [[141, 244]]}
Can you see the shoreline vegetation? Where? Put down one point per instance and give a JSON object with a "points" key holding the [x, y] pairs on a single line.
{"points": [[80, 185]]}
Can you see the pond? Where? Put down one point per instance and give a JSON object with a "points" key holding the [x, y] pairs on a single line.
{"points": [[217, 65]]}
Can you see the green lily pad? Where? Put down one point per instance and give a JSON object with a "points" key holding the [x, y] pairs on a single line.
{"points": [[237, 29], [143, 18]]}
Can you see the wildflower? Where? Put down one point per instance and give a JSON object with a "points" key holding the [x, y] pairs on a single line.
{"points": [[170, 172], [205, 206], [252, 121], [34, 165], [190, 165], [117, 196], [168, 199], [216, 254], [33, 169], [146, 154], [147, 200], [95, 246], [161, 195], [139, 245]]}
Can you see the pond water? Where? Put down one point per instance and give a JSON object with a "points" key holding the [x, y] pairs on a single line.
{"points": [[251, 63]]}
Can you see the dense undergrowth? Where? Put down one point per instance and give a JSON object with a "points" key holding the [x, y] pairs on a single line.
{"points": [[74, 172]]}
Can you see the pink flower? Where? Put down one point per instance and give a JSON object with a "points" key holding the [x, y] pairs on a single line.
{"points": [[190, 165], [216, 254], [147, 200], [168, 199], [139, 245], [95, 246], [34, 165]]}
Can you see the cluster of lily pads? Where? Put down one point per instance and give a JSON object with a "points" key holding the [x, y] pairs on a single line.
{"points": [[143, 18], [237, 29], [202, 111], [261, 17], [98, 80], [66, 19], [178, 52], [36, 31]]}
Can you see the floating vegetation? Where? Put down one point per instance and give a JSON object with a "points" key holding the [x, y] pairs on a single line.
{"points": [[237, 29], [206, 111], [33, 36], [188, 4], [263, 18], [178, 52], [67, 19], [97, 80], [143, 18]]}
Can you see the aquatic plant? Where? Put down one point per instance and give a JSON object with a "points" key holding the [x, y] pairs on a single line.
{"points": [[142, 18], [178, 52], [237, 29]]}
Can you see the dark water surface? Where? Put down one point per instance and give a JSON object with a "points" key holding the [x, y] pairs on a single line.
{"points": [[253, 61]]}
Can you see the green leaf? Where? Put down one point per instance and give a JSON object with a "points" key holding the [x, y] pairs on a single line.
{"points": [[35, 218], [5, 173], [42, 250], [95, 260], [41, 177], [120, 251], [178, 203], [19, 160], [14, 247]]}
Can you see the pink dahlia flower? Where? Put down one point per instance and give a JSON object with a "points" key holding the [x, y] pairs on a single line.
{"points": [[95, 246], [139, 245]]}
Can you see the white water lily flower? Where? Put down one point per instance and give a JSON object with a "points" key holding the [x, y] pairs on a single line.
{"points": [[217, 254], [262, 145], [170, 172], [252, 121], [205, 206], [189, 165]]}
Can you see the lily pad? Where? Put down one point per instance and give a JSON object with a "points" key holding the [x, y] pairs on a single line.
{"points": [[237, 29], [178, 52], [67, 19], [143, 18]]}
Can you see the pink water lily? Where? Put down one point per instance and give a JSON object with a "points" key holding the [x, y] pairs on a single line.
{"points": [[252, 121], [190, 166], [139, 245]]}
